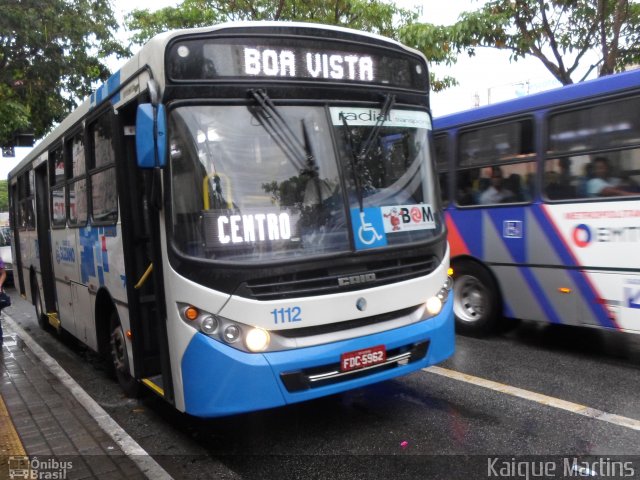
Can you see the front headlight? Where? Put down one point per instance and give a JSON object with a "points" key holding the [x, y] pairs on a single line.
{"points": [[257, 340], [254, 339], [435, 303], [209, 325], [231, 333]]}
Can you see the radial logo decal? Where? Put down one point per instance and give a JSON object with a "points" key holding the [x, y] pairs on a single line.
{"points": [[582, 235]]}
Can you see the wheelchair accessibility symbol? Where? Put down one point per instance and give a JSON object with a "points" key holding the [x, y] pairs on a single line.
{"points": [[368, 228]]}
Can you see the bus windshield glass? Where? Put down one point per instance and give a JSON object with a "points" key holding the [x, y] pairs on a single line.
{"points": [[265, 183]]}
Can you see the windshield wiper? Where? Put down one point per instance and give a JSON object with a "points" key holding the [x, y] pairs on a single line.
{"points": [[389, 101], [357, 159], [278, 128], [355, 163]]}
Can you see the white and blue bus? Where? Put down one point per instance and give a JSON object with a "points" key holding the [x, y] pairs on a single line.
{"points": [[542, 199], [243, 217]]}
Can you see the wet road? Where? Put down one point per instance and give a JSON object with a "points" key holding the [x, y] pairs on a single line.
{"points": [[426, 425]]}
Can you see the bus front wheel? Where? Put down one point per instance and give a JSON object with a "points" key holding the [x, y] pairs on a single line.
{"points": [[120, 359], [476, 302]]}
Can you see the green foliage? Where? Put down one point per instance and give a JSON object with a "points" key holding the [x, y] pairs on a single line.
{"points": [[376, 16], [559, 33], [50, 53], [4, 196]]}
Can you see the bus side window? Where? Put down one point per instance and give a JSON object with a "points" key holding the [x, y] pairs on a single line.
{"points": [[102, 173], [496, 164], [58, 191]]}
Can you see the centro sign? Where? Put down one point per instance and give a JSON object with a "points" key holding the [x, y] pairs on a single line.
{"points": [[260, 227]]}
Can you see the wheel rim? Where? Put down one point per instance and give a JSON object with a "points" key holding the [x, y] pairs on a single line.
{"points": [[118, 350], [471, 299]]}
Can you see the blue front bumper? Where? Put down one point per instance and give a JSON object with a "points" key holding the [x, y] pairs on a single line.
{"points": [[219, 380]]}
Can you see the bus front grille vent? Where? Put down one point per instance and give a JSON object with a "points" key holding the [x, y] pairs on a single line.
{"points": [[327, 281]]}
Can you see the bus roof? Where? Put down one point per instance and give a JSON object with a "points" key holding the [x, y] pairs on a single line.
{"points": [[574, 93], [147, 56]]}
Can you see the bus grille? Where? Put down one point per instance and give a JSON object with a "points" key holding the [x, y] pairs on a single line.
{"points": [[324, 375], [325, 281]]}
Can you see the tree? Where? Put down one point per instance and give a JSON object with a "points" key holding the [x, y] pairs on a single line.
{"points": [[375, 16], [50, 54], [4, 196], [560, 33]]}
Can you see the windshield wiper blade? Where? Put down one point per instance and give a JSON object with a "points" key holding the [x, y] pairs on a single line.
{"points": [[278, 128], [312, 166], [295, 150], [355, 162], [389, 101], [357, 159]]}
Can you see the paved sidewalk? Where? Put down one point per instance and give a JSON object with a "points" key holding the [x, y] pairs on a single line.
{"points": [[56, 437]]}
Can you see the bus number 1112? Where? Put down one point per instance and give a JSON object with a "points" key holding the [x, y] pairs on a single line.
{"points": [[286, 315]]}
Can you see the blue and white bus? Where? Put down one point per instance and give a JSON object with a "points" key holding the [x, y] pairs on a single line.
{"points": [[543, 206], [243, 217]]}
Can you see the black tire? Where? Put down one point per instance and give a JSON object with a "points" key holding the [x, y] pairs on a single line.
{"points": [[120, 360], [477, 301], [41, 315]]}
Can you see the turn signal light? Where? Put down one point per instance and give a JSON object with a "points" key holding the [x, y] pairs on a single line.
{"points": [[191, 313]]}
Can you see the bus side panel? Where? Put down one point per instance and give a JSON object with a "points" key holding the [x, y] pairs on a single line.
{"points": [[602, 235], [102, 259], [101, 266], [529, 258], [620, 295], [65, 270]]}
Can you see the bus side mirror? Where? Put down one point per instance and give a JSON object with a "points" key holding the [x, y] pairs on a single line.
{"points": [[151, 136]]}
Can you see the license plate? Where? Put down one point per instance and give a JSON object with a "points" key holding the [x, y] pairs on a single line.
{"points": [[362, 358]]}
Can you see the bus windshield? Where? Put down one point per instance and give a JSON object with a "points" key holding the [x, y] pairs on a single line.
{"points": [[249, 184]]}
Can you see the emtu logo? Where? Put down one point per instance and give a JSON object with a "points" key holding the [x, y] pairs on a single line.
{"points": [[582, 235]]}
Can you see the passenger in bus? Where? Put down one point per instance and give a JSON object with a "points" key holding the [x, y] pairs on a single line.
{"points": [[465, 194], [513, 183], [497, 192], [557, 185], [603, 184]]}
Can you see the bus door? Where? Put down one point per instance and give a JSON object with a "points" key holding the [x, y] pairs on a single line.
{"points": [[44, 238], [143, 262], [17, 252]]}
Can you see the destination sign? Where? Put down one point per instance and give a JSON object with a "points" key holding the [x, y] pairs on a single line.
{"points": [[251, 227], [284, 63], [277, 58]]}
